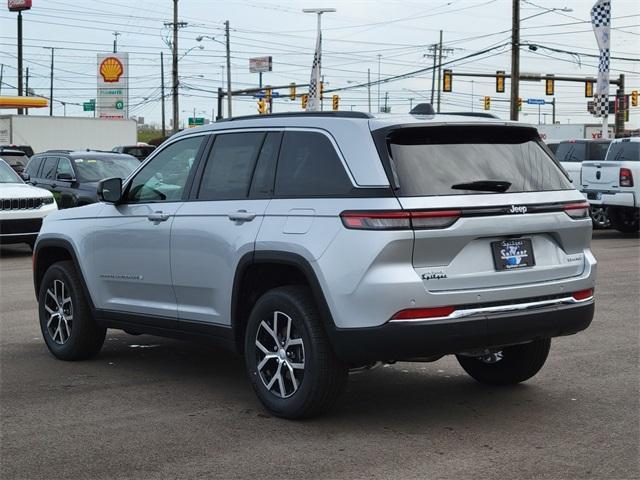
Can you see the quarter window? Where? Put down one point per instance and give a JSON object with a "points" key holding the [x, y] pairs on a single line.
{"points": [[309, 166], [230, 166], [164, 178]]}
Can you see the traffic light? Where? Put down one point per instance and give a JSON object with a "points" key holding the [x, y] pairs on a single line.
{"points": [[519, 104], [321, 90], [588, 89], [500, 81], [262, 106], [549, 85], [634, 98], [267, 93], [487, 103], [335, 101], [292, 91], [303, 100], [447, 80]]}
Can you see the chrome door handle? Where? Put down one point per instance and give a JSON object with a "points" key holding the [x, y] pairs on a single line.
{"points": [[241, 216], [158, 217]]}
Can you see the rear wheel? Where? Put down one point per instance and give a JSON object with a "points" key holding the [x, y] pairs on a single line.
{"points": [[67, 326], [625, 220], [508, 366], [600, 217], [290, 362]]}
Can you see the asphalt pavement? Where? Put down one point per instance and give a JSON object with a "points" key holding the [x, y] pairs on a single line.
{"points": [[148, 407]]}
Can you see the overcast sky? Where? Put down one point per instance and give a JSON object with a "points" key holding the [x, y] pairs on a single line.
{"points": [[400, 31]]}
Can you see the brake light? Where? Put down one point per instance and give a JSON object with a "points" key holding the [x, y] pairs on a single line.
{"points": [[577, 210], [399, 220], [583, 294], [422, 313], [626, 177]]}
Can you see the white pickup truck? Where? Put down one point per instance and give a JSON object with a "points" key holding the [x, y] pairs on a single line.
{"points": [[615, 183]]}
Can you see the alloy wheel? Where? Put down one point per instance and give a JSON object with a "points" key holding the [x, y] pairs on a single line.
{"points": [[59, 307], [280, 355]]}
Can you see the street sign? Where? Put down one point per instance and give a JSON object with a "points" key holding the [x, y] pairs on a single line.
{"points": [[260, 64], [263, 94], [536, 101], [119, 105], [196, 121], [88, 106]]}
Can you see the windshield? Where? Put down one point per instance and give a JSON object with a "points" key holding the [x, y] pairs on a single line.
{"points": [[7, 175], [624, 151], [96, 169], [472, 160]]}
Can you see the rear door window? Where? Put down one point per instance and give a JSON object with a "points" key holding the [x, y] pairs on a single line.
{"points": [[309, 166], [597, 150], [572, 152], [48, 171], [444, 160], [227, 174], [33, 166]]}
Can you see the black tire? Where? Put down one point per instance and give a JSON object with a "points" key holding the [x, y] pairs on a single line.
{"points": [[85, 338], [625, 220], [323, 376], [518, 363], [600, 218]]}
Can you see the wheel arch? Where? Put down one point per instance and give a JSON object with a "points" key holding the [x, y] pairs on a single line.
{"points": [[260, 271]]}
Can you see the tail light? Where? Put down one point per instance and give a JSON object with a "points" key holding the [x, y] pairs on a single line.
{"points": [[399, 220], [583, 294], [577, 210], [422, 313], [626, 177]]}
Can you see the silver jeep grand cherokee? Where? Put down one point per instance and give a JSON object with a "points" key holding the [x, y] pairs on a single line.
{"points": [[319, 242]]}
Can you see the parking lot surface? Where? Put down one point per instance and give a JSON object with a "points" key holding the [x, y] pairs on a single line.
{"points": [[148, 407]]}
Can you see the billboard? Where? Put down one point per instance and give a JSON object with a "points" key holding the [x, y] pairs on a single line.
{"points": [[18, 5], [260, 64], [112, 96]]}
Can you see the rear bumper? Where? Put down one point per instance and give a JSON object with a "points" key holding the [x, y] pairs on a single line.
{"points": [[405, 340], [614, 199]]}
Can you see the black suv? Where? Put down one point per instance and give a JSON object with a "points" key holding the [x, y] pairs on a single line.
{"points": [[73, 176]]}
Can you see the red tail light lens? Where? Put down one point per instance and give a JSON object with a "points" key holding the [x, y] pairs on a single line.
{"points": [[399, 220], [583, 294], [626, 177], [422, 313], [577, 210]]}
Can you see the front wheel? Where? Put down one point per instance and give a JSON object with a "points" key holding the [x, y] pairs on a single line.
{"points": [[508, 366], [290, 362]]}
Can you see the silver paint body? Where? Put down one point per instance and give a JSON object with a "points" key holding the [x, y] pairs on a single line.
{"points": [[183, 268]]}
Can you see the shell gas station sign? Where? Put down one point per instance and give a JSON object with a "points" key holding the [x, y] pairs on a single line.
{"points": [[112, 96]]}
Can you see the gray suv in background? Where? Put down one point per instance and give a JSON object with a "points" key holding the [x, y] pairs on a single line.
{"points": [[319, 242]]}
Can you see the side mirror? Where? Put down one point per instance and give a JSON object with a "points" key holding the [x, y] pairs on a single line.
{"points": [[65, 177], [110, 190], [25, 176]]}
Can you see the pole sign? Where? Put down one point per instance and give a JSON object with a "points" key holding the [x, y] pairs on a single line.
{"points": [[113, 86], [18, 5], [88, 107], [196, 121], [264, 94], [260, 64], [536, 101]]}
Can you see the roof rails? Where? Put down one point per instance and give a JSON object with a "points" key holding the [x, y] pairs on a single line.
{"points": [[61, 150], [471, 114], [335, 114]]}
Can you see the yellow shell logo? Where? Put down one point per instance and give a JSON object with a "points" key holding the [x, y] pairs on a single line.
{"points": [[111, 69]]}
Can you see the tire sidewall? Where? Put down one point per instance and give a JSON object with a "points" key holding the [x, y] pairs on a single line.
{"points": [[263, 309], [59, 272]]}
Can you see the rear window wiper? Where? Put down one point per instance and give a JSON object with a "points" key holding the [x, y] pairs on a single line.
{"points": [[484, 186]]}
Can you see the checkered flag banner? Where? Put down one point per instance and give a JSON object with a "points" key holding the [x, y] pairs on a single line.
{"points": [[313, 104], [601, 22]]}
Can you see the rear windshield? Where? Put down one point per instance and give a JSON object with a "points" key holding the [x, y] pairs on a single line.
{"points": [[572, 152], [15, 159], [443, 160], [624, 151], [95, 169]]}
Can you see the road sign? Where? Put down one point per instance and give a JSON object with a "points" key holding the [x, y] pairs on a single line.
{"points": [[119, 105], [536, 101], [260, 64], [263, 94], [196, 121], [88, 106]]}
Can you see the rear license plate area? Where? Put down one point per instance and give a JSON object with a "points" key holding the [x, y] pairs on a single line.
{"points": [[513, 254]]}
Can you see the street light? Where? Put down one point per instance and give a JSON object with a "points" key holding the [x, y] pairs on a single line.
{"points": [[227, 45], [313, 104]]}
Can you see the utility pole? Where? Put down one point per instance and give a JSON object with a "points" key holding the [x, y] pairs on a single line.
{"points": [[410, 104], [439, 68], [553, 110], [386, 100], [174, 70], [620, 103], [369, 88], [515, 58], [1, 75], [115, 41], [26, 90], [51, 82], [164, 130], [20, 57], [229, 96], [379, 57], [433, 49]]}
